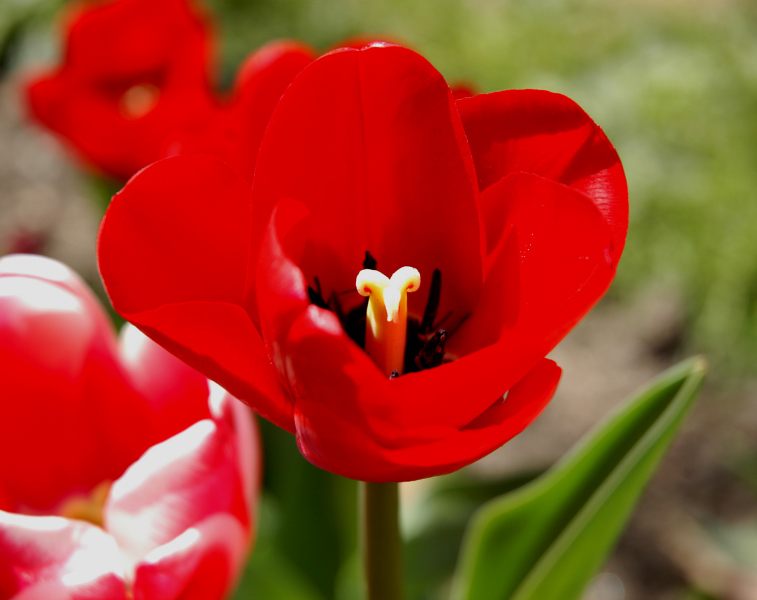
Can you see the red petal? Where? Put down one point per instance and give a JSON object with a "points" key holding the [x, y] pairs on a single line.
{"points": [[71, 413], [501, 422], [462, 90], [505, 419], [553, 264], [47, 269], [363, 41], [261, 81], [179, 396], [549, 135], [176, 394], [168, 31], [370, 142], [201, 564], [174, 486], [42, 558], [186, 224], [354, 422], [238, 417], [99, 133]]}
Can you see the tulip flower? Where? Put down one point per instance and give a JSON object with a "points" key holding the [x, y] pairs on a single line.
{"points": [[123, 474], [132, 73], [478, 230]]}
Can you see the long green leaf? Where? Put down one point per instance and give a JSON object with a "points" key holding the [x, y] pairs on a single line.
{"points": [[435, 527], [546, 540]]}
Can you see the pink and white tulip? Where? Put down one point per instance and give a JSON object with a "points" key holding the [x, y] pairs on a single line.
{"points": [[124, 473]]}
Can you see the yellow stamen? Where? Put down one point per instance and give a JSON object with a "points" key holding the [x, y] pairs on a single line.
{"points": [[139, 100], [88, 508], [386, 319]]}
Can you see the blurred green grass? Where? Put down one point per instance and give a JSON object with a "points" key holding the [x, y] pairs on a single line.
{"points": [[673, 83]]}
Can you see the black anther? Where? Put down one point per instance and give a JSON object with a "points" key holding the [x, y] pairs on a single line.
{"points": [[432, 304], [336, 305], [432, 352], [369, 262], [315, 294]]}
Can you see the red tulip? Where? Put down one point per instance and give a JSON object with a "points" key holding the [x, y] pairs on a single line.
{"points": [[122, 473], [133, 72], [511, 206]]}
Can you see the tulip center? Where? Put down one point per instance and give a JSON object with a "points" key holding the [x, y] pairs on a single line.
{"points": [[138, 100], [397, 340], [88, 507], [386, 315]]}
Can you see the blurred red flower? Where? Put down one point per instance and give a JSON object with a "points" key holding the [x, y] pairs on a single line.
{"points": [[122, 473], [511, 205], [234, 132], [133, 72]]}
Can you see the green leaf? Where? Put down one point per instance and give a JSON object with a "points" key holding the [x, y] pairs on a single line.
{"points": [[545, 540], [434, 527]]}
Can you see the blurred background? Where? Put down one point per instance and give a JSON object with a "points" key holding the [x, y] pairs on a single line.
{"points": [[674, 85]]}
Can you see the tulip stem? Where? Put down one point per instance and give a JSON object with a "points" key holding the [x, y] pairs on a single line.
{"points": [[381, 541]]}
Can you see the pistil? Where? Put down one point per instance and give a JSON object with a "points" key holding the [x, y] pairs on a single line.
{"points": [[89, 507], [386, 317]]}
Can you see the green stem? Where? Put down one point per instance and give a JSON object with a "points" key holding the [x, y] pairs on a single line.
{"points": [[381, 541]]}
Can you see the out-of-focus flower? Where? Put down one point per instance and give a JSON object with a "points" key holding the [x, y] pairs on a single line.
{"points": [[123, 474], [234, 132], [133, 72], [23, 240], [511, 206]]}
